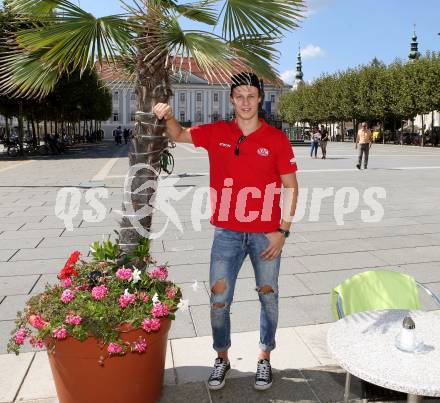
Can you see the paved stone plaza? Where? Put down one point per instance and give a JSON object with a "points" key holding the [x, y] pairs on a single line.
{"points": [[34, 245]]}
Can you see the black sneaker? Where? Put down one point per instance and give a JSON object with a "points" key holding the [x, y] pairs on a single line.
{"points": [[216, 380], [358, 166], [263, 377]]}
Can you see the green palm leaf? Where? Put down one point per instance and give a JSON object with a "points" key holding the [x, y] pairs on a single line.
{"points": [[66, 38], [244, 17], [23, 74], [202, 11]]}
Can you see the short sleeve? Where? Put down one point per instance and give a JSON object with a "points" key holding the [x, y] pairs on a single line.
{"points": [[202, 135], [285, 158]]}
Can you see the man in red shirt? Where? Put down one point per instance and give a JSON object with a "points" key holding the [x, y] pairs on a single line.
{"points": [[249, 162]]}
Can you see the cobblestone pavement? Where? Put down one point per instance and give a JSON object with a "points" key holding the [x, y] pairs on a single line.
{"points": [[329, 242]]}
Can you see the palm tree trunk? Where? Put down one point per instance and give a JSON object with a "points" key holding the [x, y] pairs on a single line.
{"points": [[152, 86]]}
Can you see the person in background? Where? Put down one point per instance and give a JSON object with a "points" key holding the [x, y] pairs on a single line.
{"points": [[315, 137], [324, 140], [364, 138], [118, 135], [126, 135]]}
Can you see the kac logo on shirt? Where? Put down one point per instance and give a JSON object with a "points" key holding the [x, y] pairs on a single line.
{"points": [[264, 152]]}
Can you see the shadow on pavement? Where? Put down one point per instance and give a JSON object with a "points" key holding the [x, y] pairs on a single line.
{"points": [[104, 149], [322, 384]]}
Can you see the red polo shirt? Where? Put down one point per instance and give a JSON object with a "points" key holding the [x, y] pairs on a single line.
{"points": [[245, 188]]}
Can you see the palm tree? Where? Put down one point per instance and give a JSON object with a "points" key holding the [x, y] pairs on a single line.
{"points": [[148, 40]]}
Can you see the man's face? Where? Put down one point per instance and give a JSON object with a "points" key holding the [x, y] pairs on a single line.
{"points": [[245, 99], [365, 126]]}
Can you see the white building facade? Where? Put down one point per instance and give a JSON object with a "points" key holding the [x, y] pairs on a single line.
{"points": [[194, 102]]}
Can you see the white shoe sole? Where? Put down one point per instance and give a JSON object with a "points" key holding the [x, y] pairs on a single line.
{"points": [[262, 387], [219, 386]]}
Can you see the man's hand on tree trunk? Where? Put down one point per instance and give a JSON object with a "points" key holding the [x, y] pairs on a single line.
{"points": [[163, 111]]}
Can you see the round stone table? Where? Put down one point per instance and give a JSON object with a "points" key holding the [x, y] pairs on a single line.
{"points": [[364, 345]]}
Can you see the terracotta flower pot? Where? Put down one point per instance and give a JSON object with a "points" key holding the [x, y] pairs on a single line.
{"points": [[133, 377]]}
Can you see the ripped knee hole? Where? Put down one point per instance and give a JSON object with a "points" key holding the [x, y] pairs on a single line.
{"points": [[219, 287], [266, 289]]}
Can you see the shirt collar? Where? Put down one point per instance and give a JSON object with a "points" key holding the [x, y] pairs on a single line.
{"points": [[238, 130]]}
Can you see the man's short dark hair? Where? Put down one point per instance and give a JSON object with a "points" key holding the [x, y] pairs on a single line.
{"points": [[245, 78]]}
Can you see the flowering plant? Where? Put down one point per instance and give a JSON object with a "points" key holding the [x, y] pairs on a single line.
{"points": [[95, 298]]}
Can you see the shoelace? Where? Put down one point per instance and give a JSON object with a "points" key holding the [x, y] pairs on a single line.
{"points": [[219, 370], [263, 371]]}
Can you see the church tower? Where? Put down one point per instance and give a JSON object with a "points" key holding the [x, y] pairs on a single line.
{"points": [[299, 82]]}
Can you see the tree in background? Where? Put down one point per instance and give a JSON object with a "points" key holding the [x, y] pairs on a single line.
{"points": [[378, 94]]}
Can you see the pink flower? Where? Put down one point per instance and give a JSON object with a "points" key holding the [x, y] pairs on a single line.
{"points": [[60, 333], [159, 310], [126, 299], [99, 292], [66, 283], [159, 272], [20, 335], [144, 297], [37, 321], [171, 292], [150, 325], [38, 343], [124, 274], [114, 348], [140, 346], [67, 296], [72, 319]]}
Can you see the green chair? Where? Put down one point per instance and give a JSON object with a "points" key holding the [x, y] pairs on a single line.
{"points": [[375, 290]]}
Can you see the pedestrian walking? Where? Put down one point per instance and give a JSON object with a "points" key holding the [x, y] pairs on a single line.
{"points": [[364, 138], [324, 141], [126, 135], [315, 137], [118, 135], [247, 156]]}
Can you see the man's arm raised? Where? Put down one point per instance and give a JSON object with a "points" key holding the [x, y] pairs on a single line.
{"points": [[175, 131]]}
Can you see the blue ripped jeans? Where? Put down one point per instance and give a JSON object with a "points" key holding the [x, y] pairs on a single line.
{"points": [[228, 252]]}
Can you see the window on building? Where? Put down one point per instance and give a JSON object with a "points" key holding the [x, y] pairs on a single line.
{"points": [[182, 97], [215, 96], [115, 117], [215, 116], [199, 116], [133, 96], [199, 97], [272, 98], [133, 116], [182, 116], [116, 96]]}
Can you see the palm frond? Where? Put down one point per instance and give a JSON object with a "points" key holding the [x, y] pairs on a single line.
{"points": [[75, 39], [32, 8], [210, 52], [23, 74], [258, 54], [201, 11], [269, 17], [66, 39]]}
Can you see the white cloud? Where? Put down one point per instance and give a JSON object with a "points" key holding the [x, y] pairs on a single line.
{"points": [[311, 51], [288, 76]]}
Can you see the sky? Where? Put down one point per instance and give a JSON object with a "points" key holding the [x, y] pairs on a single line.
{"points": [[337, 34]]}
